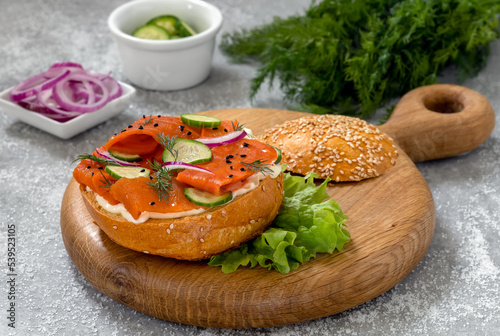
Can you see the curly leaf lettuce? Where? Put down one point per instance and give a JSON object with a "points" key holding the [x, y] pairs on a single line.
{"points": [[309, 223]]}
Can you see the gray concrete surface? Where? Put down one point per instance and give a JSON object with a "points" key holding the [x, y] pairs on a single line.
{"points": [[453, 291]]}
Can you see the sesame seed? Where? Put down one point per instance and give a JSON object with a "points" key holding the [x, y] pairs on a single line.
{"points": [[242, 169], [172, 225], [143, 170], [189, 133], [155, 125], [88, 167], [202, 240], [181, 127], [230, 175], [168, 231], [129, 126], [209, 216], [115, 227], [243, 155], [152, 203], [140, 127]]}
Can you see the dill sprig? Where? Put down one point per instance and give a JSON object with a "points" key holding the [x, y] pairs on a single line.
{"points": [[147, 121], [168, 143], [237, 126], [97, 159], [107, 183], [353, 56], [259, 166], [161, 180]]}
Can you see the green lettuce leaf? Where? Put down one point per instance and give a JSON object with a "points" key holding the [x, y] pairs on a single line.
{"points": [[309, 223]]}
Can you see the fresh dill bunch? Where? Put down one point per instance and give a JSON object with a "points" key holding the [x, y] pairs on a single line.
{"points": [[168, 143], [161, 181], [258, 166], [352, 56], [97, 159]]}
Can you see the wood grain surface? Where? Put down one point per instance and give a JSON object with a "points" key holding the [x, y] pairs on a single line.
{"points": [[391, 221]]}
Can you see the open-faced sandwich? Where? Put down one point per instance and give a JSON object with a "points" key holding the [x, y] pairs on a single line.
{"points": [[186, 187]]}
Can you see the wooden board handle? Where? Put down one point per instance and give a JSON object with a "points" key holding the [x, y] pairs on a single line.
{"points": [[441, 120]]}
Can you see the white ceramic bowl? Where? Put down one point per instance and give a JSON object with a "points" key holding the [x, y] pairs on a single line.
{"points": [[70, 128], [171, 64]]}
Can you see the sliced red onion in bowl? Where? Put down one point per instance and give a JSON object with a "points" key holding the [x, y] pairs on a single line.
{"points": [[170, 165], [106, 155], [223, 140], [65, 91]]}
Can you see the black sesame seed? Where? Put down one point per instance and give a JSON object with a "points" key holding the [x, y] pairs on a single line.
{"points": [[144, 116], [92, 174], [225, 130], [150, 177], [124, 130], [245, 144], [182, 128], [231, 167], [189, 133], [88, 167], [101, 168], [231, 175], [228, 161], [115, 134], [155, 125], [159, 116], [229, 157], [130, 126], [143, 170], [243, 155], [242, 169], [215, 128], [152, 203], [140, 127]]}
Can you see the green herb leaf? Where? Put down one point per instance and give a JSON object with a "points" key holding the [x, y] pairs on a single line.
{"points": [[258, 166], [353, 56], [168, 143], [97, 159], [309, 223], [162, 180]]}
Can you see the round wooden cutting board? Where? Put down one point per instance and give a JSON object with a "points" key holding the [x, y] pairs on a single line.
{"points": [[391, 221]]}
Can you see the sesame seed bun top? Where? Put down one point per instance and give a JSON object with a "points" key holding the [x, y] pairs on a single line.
{"points": [[340, 147]]}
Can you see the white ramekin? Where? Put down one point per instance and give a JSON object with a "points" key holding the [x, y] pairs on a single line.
{"points": [[171, 64]]}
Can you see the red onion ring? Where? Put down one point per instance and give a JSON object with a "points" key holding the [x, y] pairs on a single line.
{"points": [[182, 165], [33, 85], [106, 155], [61, 97], [223, 140]]}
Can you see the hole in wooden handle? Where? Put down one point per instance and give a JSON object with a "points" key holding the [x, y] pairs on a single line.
{"points": [[442, 104]]}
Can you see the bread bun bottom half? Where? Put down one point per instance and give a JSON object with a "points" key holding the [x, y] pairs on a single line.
{"points": [[196, 237]]}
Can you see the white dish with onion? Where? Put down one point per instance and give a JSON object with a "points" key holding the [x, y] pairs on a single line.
{"points": [[66, 100]]}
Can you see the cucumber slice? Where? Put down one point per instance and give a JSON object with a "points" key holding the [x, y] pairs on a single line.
{"points": [[168, 22], [183, 29], [204, 198], [278, 160], [197, 120], [128, 172], [151, 32], [125, 157], [188, 151]]}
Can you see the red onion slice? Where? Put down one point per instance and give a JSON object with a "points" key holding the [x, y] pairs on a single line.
{"points": [[182, 165], [106, 155], [46, 100], [223, 140], [35, 84], [67, 103]]}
